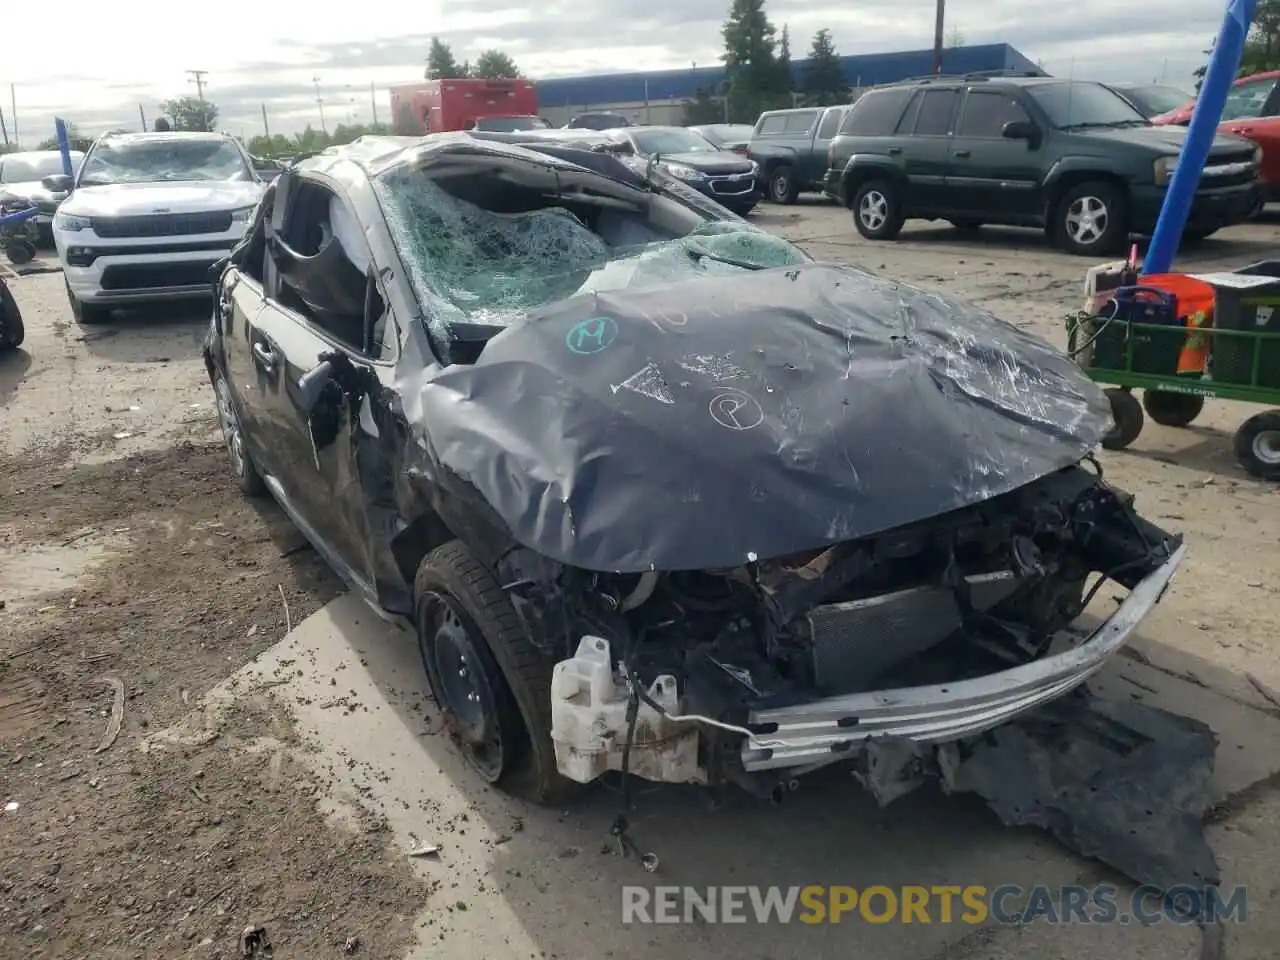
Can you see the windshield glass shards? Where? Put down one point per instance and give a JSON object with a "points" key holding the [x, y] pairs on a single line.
{"points": [[148, 161], [524, 248]]}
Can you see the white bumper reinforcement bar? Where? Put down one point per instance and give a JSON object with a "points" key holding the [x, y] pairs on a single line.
{"points": [[817, 732]]}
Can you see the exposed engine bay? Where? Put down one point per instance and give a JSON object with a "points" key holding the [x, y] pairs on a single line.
{"points": [[666, 674]]}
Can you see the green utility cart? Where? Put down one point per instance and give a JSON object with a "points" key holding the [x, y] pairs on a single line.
{"points": [[1142, 351]]}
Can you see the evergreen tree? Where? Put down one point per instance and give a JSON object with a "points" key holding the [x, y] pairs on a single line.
{"points": [[753, 81], [824, 79], [786, 79], [440, 62], [495, 65]]}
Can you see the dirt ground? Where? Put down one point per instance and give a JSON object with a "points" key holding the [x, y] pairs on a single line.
{"points": [[134, 577]]}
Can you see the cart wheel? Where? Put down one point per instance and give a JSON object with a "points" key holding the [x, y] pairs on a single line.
{"points": [[1258, 445], [1171, 409], [19, 252], [1126, 411]]}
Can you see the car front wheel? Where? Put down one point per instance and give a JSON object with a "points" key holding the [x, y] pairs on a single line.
{"points": [[1091, 219], [782, 185], [492, 685], [877, 210]]}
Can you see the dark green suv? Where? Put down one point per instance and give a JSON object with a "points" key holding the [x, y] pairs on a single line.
{"points": [[1069, 156]]}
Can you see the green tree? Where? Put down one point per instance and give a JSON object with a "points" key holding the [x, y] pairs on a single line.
{"points": [[703, 108], [786, 79], [495, 65], [441, 64], [74, 137], [1261, 49], [753, 81], [824, 80], [190, 113]]}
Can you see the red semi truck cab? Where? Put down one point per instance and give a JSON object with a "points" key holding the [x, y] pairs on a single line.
{"points": [[433, 106]]}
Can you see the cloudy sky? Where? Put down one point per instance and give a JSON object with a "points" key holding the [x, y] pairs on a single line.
{"points": [[112, 58]]}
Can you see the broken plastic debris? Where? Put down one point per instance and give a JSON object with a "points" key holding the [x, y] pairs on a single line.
{"points": [[428, 851], [11, 806], [122, 435]]}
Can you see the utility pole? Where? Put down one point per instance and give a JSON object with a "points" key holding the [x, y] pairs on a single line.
{"points": [[143, 117], [266, 127], [13, 113], [320, 103], [937, 35], [373, 102], [197, 77], [4, 129]]}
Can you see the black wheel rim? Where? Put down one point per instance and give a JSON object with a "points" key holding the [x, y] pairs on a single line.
{"points": [[461, 682]]}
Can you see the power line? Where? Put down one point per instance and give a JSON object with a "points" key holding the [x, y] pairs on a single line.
{"points": [[197, 77], [320, 103]]}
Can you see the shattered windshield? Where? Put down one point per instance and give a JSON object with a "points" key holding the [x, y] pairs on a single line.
{"points": [[148, 161], [469, 263]]}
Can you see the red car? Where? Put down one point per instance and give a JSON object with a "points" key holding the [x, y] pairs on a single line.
{"points": [[1252, 111]]}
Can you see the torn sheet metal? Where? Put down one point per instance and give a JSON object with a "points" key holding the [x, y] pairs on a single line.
{"points": [[1116, 781], [757, 414]]}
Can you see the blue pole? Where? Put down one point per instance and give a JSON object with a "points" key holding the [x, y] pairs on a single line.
{"points": [[1224, 62], [64, 145]]}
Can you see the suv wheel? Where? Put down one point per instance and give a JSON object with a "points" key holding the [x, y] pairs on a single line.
{"points": [[1091, 218], [86, 313], [877, 210], [782, 184]]}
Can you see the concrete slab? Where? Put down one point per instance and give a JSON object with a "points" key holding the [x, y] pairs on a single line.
{"points": [[515, 881]]}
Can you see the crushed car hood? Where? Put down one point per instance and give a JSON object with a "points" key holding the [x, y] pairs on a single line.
{"points": [[714, 422]]}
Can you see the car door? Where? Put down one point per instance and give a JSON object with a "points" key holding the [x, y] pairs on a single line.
{"points": [[240, 298], [815, 169], [318, 434], [926, 130], [990, 177]]}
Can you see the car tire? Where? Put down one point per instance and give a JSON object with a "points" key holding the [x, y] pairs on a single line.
{"points": [[247, 476], [967, 226], [1257, 445], [1170, 409], [1196, 236], [1126, 411], [1091, 219], [467, 626], [782, 184], [86, 314], [877, 210], [12, 331]]}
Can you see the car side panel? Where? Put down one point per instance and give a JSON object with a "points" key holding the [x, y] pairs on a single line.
{"points": [[240, 300], [1264, 131]]}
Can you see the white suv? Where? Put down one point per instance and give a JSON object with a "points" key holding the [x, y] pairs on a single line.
{"points": [[148, 215]]}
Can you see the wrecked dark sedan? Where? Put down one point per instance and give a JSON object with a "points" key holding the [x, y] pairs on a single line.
{"points": [[659, 493]]}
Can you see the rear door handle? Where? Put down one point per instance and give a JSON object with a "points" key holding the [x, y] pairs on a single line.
{"points": [[265, 356], [1245, 131], [961, 154], [894, 151]]}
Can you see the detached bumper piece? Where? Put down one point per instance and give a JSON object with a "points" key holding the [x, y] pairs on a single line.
{"points": [[825, 731]]}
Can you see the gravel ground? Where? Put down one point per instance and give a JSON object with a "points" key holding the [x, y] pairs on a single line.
{"points": [[128, 561]]}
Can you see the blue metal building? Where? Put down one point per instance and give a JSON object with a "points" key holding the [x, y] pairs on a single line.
{"points": [[860, 70]]}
